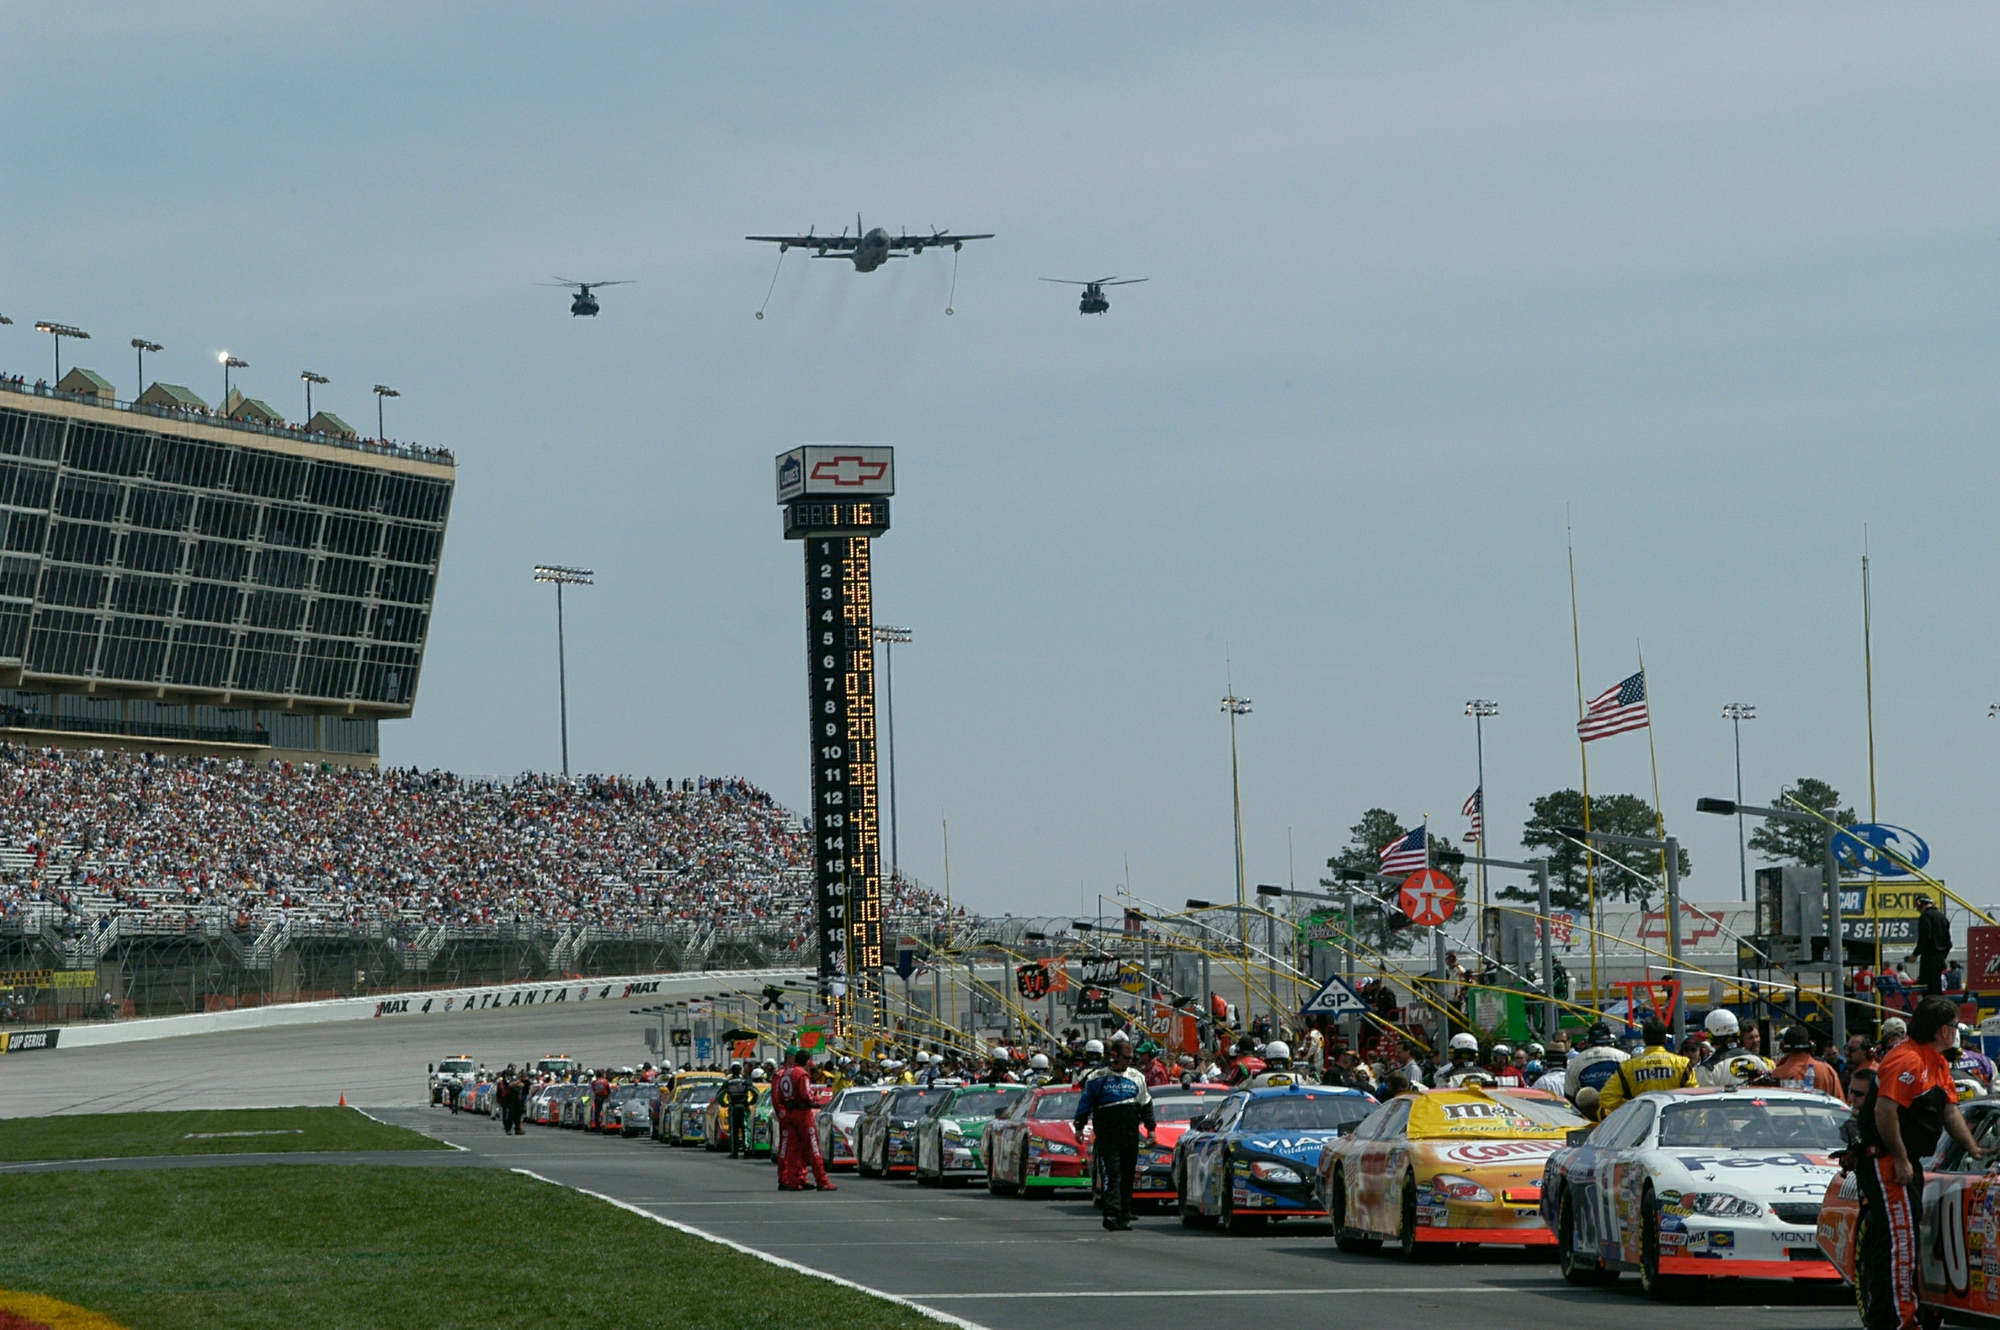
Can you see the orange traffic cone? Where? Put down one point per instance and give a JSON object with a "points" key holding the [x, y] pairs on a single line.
{"points": [[343, 1100]]}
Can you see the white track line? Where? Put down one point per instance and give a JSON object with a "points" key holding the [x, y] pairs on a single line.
{"points": [[931, 1312], [1204, 1293]]}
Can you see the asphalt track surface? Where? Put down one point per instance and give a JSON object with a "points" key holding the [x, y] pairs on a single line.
{"points": [[996, 1262], [1007, 1263]]}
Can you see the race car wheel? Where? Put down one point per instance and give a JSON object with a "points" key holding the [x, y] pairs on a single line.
{"points": [[1023, 1189], [1573, 1270], [1656, 1286], [994, 1185], [1231, 1220], [1348, 1240]]}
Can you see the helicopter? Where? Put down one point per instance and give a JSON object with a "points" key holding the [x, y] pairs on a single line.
{"points": [[1094, 300], [583, 302]]}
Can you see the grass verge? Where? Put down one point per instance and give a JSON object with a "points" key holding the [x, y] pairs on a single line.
{"points": [[206, 1132], [282, 1246]]}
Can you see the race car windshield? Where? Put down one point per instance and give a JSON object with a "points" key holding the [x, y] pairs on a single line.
{"points": [[913, 1102], [1544, 1112], [1304, 1113], [981, 1103], [1182, 1109], [1752, 1124], [857, 1101], [1056, 1107], [701, 1094], [454, 1065]]}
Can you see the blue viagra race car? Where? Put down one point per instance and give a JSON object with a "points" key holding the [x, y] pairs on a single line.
{"points": [[1252, 1158]]}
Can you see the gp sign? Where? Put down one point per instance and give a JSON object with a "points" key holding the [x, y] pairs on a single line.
{"points": [[1865, 850]]}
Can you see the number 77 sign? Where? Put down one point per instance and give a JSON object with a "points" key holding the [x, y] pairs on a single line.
{"points": [[1428, 898]]}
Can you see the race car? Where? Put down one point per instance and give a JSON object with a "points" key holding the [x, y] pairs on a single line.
{"points": [[629, 1111], [1030, 1146], [763, 1135], [1435, 1171], [1251, 1158], [884, 1139], [448, 1076], [1958, 1234], [836, 1123], [681, 1119], [948, 1136], [1174, 1107], [1717, 1181]]}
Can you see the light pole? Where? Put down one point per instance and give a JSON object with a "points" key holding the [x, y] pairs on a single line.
{"points": [[1836, 944], [311, 378], [561, 577], [889, 637], [382, 391], [229, 362], [1238, 706], [1479, 709], [142, 346], [1736, 713], [60, 331]]}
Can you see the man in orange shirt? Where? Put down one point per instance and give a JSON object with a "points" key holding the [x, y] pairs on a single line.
{"points": [[1913, 1104], [1798, 1069]]}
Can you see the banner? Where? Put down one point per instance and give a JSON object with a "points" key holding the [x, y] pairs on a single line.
{"points": [[1889, 900], [28, 1041], [1324, 926], [812, 1036], [1982, 963], [48, 979]]}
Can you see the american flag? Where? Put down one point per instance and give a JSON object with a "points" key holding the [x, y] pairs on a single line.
{"points": [[1616, 710], [1475, 808], [1408, 853]]}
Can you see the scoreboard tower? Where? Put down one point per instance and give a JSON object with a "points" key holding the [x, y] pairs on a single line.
{"points": [[836, 501]]}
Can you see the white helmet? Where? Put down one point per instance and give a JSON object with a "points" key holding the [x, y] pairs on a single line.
{"points": [[1276, 1049], [1093, 1048], [1039, 1062], [1469, 1043], [1721, 1022]]}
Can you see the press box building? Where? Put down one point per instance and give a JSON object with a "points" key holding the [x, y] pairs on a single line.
{"points": [[176, 580]]}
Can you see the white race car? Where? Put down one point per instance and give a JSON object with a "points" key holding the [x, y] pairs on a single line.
{"points": [[1701, 1182]]}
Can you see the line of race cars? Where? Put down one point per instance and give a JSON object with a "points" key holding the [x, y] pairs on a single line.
{"points": [[1675, 1187]]}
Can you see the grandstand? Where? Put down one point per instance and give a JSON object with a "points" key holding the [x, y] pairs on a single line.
{"points": [[191, 884], [209, 582]]}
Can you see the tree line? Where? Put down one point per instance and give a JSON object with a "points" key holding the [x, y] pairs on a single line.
{"points": [[1625, 874]]}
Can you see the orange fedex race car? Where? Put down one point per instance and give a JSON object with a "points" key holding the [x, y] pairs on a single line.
{"points": [[1958, 1231], [1449, 1167]]}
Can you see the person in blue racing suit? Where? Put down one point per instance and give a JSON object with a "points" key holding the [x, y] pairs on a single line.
{"points": [[1117, 1097]]}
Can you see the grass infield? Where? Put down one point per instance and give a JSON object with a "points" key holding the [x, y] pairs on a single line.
{"points": [[286, 1246], [208, 1132]]}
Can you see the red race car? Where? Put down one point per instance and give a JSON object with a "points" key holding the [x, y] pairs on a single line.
{"points": [[1032, 1147], [1173, 1107]]}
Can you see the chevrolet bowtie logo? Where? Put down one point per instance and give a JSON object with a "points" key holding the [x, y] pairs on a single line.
{"points": [[849, 469]]}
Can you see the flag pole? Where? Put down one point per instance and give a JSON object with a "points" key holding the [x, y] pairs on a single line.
{"points": [[1868, 669], [1659, 808], [1583, 752]]}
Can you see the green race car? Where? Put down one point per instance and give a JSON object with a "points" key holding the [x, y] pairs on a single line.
{"points": [[951, 1135]]}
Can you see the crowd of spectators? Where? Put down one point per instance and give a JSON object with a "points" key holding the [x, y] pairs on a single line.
{"points": [[100, 834]]}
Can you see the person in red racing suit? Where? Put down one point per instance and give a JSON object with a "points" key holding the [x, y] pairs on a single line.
{"points": [[798, 1145], [1912, 1103]]}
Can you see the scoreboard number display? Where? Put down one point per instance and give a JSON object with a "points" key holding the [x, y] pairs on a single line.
{"points": [[836, 500]]}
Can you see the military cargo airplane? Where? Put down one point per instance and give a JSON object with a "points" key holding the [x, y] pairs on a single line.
{"points": [[869, 249]]}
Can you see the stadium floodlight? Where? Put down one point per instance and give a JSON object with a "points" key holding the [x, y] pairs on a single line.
{"points": [[561, 576], [1736, 713], [60, 331], [382, 390], [229, 362], [142, 346], [311, 378]]}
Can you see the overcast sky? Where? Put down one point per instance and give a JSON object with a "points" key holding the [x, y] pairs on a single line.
{"points": [[1717, 283]]}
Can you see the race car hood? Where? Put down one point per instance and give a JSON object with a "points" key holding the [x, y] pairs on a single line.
{"points": [[1299, 1147], [1762, 1175], [965, 1126]]}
